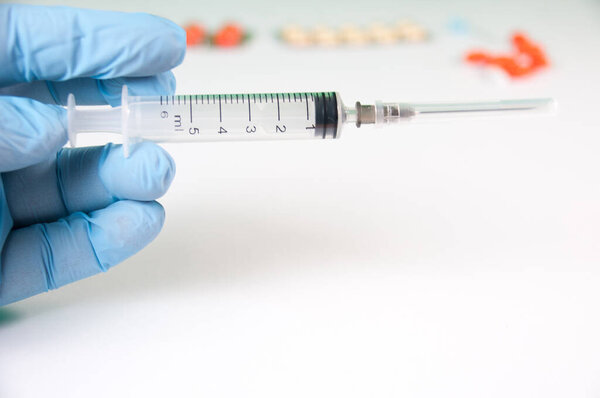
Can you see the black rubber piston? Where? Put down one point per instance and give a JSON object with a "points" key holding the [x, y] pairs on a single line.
{"points": [[326, 112]]}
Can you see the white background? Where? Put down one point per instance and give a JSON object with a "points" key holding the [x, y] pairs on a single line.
{"points": [[452, 260]]}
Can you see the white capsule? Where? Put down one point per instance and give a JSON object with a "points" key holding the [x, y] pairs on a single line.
{"points": [[325, 36], [406, 30], [381, 33], [295, 36], [353, 35]]}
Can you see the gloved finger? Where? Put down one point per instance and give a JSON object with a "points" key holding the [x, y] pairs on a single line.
{"points": [[29, 132], [62, 43], [86, 179], [90, 91], [41, 257]]}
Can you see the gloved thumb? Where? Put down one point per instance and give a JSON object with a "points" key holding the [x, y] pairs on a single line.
{"points": [[29, 132]]}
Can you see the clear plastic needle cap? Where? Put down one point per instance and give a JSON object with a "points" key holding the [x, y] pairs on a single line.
{"points": [[391, 112]]}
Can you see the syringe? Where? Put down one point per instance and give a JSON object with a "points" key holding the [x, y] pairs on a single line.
{"points": [[235, 117]]}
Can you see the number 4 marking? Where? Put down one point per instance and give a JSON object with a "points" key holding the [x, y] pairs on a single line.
{"points": [[222, 130]]}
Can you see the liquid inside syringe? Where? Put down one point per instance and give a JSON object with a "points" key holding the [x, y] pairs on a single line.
{"points": [[233, 117]]}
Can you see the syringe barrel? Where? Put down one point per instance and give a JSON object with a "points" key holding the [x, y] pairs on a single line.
{"points": [[234, 117], [226, 117]]}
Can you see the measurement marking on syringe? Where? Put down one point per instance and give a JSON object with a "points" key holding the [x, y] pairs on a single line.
{"points": [[191, 120], [278, 111], [249, 113], [220, 112], [305, 95]]}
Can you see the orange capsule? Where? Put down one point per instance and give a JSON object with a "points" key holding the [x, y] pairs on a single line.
{"points": [[477, 57], [510, 66], [521, 42], [230, 35], [538, 57], [502, 61], [195, 34], [526, 46], [518, 71]]}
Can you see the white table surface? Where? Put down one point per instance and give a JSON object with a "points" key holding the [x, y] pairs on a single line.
{"points": [[453, 260]]}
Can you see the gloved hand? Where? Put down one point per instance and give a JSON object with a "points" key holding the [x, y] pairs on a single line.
{"points": [[66, 214]]}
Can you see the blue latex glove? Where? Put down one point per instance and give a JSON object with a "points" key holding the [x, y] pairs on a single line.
{"points": [[66, 214]]}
